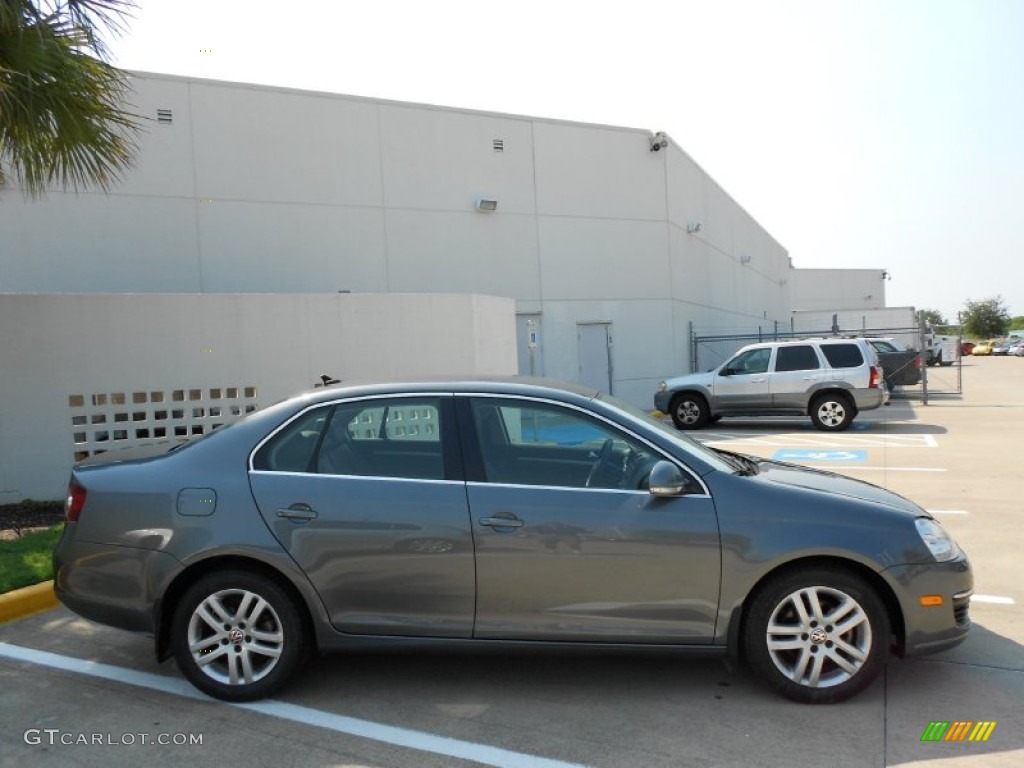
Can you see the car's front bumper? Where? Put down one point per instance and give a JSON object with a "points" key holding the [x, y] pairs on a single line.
{"points": [[932, 628], [662, 400]]}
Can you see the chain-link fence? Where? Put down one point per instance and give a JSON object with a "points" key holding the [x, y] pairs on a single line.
{"points": [[917, 362]]}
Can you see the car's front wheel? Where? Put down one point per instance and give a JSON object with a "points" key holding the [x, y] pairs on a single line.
{"points": [[689, 411], [818, 636], [832, 413], [237, 635]]}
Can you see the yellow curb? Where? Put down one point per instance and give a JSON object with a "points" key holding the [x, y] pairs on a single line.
{"points": [[658, 414], [20, 603]]}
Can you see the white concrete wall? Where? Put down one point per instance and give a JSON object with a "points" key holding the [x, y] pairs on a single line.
{"points": [[127, 355], [254, 189], [838, 289]]}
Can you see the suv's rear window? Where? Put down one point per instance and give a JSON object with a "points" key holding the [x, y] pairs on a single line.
{"points": [[843, 355]]}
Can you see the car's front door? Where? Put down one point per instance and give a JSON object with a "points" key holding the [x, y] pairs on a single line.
{"points": [[367, 497], [569, 543], [742, 384]]}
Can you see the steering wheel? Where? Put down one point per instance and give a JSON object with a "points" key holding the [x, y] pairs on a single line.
{"points": [[603, 457]]}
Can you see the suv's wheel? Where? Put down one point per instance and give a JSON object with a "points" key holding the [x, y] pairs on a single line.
{"points": [[832, 412], [237, 636], [817, 637], [689, 411]]}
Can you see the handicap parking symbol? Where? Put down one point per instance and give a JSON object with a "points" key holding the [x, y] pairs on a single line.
{"points": [[789, 454]]}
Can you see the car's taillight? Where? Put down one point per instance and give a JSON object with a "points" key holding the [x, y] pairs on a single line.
{"points": [[917, 362], [75, 502], [875, 377]]}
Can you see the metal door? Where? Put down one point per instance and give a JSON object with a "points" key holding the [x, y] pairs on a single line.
{"points": [[594, 342]]}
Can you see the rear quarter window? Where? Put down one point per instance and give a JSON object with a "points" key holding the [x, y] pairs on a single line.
{"points": [[843, 355]]}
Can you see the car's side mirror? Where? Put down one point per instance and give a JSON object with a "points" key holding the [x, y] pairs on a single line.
{"points": [[727, 371], [666, 479]]}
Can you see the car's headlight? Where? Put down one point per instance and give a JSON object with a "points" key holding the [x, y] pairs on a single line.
{"points": [[663, 387], [934, 536]]}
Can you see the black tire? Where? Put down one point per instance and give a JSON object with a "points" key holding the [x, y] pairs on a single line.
{"points": [[689, 411], [829, 633], [257, 633], [832, 412]]}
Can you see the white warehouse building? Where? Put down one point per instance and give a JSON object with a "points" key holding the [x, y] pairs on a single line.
{"points": [[610, 242], [243, 188]]}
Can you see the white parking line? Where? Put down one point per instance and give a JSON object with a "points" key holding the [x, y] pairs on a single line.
{"points": [[403, 737], [850, 467], [819, 440], [994, 599]]}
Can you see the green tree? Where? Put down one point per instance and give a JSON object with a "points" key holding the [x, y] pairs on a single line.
{"points": [[986, 318], [1017, 323], [934, 318], [62, 104]]}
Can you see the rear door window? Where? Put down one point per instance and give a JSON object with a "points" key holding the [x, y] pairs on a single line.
{"points": [[843, 355], [796, 358]]}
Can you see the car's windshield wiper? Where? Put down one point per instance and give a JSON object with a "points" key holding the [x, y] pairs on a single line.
{"points": [[744, 464]]}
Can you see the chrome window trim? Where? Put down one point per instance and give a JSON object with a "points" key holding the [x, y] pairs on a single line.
{"points": [[624, 491], [706, 493], [389, 478]]}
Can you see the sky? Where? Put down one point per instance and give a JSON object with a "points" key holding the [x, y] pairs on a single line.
{"points": [[860, 134]]}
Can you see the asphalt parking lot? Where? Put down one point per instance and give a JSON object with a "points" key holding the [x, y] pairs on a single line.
{"points": [[74, 693]]}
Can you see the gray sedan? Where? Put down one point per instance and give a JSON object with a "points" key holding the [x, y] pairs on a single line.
{"points": [[502, 513]]}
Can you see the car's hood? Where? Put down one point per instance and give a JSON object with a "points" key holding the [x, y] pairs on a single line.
{"points": [[829, 482], [690, 379]]}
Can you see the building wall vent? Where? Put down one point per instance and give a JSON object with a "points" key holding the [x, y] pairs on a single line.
{"points": [[164, 116], [499, 145]]}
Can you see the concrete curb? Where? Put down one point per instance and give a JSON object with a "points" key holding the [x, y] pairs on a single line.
{"points": [[20, 603]]}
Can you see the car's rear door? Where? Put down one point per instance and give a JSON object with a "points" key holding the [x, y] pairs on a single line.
{"points": [[797, 371], [367, 497], [569, 544]]}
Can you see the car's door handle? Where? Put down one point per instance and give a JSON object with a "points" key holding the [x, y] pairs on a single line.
{"points": [[298, 512], [758, 381], [501, 522]]}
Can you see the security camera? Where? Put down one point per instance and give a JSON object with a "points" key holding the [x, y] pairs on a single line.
{"points": [[658, 141]]}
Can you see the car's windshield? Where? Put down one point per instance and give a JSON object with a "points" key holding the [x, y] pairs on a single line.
{"points": [[686, 443]]}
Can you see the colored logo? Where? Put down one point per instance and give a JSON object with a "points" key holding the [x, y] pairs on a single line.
{"points": [[958, 730]]}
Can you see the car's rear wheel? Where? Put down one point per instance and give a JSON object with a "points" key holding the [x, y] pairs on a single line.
{"points": [[832, 412], [237, 635], [689, 411], [818, 636]]}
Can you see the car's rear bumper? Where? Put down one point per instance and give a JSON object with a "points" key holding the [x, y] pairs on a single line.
{"points": [[870, 398], [109, 584]]}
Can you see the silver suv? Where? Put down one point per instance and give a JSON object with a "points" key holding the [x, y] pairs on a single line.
{"points": [[830, 380]]}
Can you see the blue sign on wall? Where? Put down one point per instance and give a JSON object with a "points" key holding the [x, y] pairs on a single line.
{"points": [[790, 454]]}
